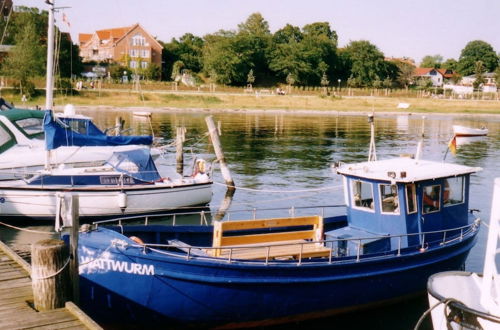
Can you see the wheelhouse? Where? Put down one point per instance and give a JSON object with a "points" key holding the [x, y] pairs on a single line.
{"points": [[401, 197]]}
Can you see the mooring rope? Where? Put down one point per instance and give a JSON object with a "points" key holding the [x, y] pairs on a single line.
{"points": [[51, 275], [28, 230], [281, 191]]}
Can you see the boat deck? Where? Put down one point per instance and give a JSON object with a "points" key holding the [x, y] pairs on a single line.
{"points": [[16, 300]]}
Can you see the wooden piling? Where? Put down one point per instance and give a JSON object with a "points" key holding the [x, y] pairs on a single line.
{"points": [[119, 123], [212, 129], [49, 272], [179, 154]]}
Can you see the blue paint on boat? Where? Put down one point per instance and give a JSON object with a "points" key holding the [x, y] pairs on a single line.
{"points": [[399, 229]]}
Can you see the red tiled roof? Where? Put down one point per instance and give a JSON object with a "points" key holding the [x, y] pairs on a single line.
{"points": [[446, 75], [422, 71], [115, 33], [84, 37]]}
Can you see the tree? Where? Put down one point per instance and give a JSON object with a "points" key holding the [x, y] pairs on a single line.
{"points": [[306, 54], [432, 61], [250, 78], [450, 64], [367, 62], [26, 60], [405, 71], [479, 74], [188, 49], [477, 51]]}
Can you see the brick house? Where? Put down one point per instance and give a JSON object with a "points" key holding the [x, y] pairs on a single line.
{"points": [[129, 46]]}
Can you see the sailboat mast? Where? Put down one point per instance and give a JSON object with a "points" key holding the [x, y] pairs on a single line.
{"points": [[49, 87]]}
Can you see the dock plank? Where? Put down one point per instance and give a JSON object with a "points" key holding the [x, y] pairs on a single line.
{"points": [[16, 292]]}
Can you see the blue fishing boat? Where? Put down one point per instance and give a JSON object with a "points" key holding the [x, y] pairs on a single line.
{"points": [[405, 220]]}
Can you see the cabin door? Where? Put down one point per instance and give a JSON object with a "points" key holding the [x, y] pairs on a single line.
{"points": [[429, 207]]}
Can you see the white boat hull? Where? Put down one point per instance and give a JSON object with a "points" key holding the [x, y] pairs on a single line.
{"points": [[464, 287], [104, 201], [468, 131]]}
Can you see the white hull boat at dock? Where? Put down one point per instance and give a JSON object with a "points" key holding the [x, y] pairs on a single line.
{"points": [[464, 300]]}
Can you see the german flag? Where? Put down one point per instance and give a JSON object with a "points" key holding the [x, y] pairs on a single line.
{"points": [[452, 145]]}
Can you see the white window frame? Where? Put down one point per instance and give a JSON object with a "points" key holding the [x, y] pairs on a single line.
{"points": [[439, 199], [415, 201], [397, 210], [463, 191], [362, 208]]}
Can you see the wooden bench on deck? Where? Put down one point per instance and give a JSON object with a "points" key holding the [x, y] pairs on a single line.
{"points": [[238, 239]]}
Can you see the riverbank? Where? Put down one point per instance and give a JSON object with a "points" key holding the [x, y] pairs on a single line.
{"points": [[204, 101]]}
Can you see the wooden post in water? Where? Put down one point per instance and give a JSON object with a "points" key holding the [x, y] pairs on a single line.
{"points": [[212, 129], [49, 273], [179, 154], [119, 123], [71, 219]]}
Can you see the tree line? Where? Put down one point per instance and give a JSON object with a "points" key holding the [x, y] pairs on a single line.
{"points": [[250, 54]]}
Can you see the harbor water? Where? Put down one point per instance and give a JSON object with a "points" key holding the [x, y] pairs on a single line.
{"points": [[280, 159]]}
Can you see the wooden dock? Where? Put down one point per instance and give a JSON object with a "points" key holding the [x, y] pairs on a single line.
{"points": [[16, 300]]}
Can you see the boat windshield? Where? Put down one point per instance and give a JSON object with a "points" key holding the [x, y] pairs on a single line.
{"points": [[31, 126]]}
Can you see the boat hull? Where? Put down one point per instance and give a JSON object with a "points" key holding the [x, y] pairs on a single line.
{"points": [[463, 131], [102, 202], [215, 292], [458, 293]]}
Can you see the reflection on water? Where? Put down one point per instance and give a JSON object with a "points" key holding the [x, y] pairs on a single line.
{"points": [[271, 155]]}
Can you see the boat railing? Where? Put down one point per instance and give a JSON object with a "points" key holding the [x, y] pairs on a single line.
{"points": [[332, 255], [206, 215]]}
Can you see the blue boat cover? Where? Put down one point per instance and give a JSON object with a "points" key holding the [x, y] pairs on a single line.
{"points": [[144, 169], [56, 135]]}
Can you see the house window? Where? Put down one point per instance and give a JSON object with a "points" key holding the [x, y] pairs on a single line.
{"points": [[144, 53], [453, 192], [134, 53], [362, 195], [95, 51], [138, 40], [133, 64], [411, 198], [144, 65], [431, 199], [389, 198]]}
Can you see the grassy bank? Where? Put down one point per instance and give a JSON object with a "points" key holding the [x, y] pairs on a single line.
{"points": [[205, 100]]}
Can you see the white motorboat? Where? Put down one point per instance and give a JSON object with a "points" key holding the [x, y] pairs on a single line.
{"points": [[465, 300], [22, 145], [469, 131]]}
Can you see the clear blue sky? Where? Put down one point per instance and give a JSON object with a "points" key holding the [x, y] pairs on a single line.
{"points": [[412, 28]]}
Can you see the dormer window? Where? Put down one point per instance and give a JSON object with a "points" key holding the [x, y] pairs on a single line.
{"points": [[362, 195], [138, 40]]}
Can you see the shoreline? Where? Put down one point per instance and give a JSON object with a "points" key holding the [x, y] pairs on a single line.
{"points": [[274, 111]]}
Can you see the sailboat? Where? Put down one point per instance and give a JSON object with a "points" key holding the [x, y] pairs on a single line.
{"points": [[127, 183]]}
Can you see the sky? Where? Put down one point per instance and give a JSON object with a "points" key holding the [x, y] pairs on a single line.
{"points": [[399, 28]]}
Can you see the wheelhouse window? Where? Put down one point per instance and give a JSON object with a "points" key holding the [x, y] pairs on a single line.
{"points": [[362, 195], [453, 192], [31, 126], [389, 198], [431, 199], [5, 137], [411, 198]]}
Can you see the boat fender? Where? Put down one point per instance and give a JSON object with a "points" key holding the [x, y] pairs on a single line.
{"points": [[137, 240], [122, 200]]}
